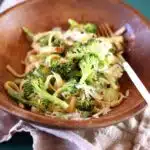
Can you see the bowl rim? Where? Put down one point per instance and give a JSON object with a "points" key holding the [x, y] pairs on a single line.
{"points": [[73, 124]]}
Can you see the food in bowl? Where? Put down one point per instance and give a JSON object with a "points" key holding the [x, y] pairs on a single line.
{"points": [[70, 74]]}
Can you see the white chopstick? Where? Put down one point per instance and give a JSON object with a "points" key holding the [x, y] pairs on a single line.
{"points": [[137, 82]]}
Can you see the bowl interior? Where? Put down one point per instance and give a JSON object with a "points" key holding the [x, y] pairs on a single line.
{"points": [[40, 16]]}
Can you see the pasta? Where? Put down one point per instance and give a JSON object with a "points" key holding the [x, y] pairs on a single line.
{"points": [[70, 74]]}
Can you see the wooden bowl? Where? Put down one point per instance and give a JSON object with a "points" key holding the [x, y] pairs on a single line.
{"points": [[42, 15]]}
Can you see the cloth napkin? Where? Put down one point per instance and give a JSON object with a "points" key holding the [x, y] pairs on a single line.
{"points": [[132, 134]]}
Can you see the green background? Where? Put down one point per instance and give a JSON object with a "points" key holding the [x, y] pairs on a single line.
{"points": [[23, 141]]}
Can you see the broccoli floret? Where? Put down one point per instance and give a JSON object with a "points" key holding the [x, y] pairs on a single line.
{"points": [[28, 90], [88, 65], [68, 89], [28, 32], [41, 72], [93, 46], [113, 74], [57, 42], [77, 47], [75, 74], [73, 23], [85, 105], [64, 69], [43, 41], [85, 114], [90, 28], [99, 47], [77, 51], [18, 96], [37, 87], [29, 103]]}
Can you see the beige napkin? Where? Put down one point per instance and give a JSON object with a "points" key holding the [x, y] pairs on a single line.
{"points": [[131, 134]]}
